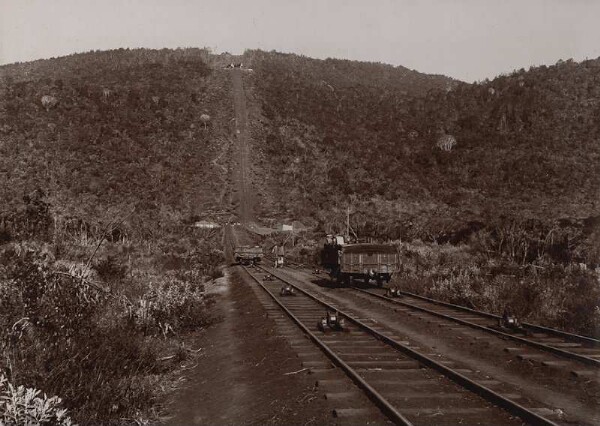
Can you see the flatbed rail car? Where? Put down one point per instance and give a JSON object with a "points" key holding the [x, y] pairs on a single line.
{"points": [[366, 262], [248, 255]]}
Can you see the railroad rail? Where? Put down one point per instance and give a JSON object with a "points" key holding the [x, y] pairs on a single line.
{"points": [[575, 347], [372, 357], [571, 346]]}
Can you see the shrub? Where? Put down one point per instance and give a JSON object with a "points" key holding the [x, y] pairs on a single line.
{"points": [[26, 406], [63, 334], [172, 305], [109, 269]]}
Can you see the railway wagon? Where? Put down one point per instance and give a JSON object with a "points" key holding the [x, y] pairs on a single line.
{"points": [[248, 255], [366, 261]]}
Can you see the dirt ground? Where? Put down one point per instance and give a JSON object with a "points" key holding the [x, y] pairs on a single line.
{"points": [[240, 378]]}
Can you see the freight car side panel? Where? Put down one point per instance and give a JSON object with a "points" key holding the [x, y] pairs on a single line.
{"points": [[362, 263], [248, 254]]}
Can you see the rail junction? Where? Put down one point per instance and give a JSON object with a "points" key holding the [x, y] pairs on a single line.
{"points": [[407, 383]]}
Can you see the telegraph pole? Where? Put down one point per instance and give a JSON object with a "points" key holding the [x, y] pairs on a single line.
{"points": [[348, 223]]}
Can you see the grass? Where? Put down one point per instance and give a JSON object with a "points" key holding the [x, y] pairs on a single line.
{"points": [[564, 296], [98, 337]]}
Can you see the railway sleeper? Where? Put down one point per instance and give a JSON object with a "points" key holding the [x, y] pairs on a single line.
{"points": [[370, 354], [347, 398], [331, 384], [428, 397], [324, 372], [317, 364], [566, 345], [533, 357], [358, 349], [353, 414], [335, 339], [445, 411], [415, 385], [556, 364], [384, 364], [586, 374]]}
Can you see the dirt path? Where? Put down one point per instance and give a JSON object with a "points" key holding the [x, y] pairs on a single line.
{"points": [[243, 375]]}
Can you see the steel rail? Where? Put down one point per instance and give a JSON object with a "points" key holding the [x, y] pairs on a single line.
{"points": [[542, 346], [507, 404], [381, 402], [571, 337], [568, 336]]}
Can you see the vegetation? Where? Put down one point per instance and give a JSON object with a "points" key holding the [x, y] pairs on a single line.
{"points": [[25, 406], [101, 275], [107, 158], [509, 168]]}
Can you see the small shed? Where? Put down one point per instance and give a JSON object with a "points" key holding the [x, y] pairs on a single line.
{"points": [[205, 224], [285, 228]]}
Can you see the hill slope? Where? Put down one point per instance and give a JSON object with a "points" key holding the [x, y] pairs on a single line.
{"points": [[335, 133], [125, 134]]}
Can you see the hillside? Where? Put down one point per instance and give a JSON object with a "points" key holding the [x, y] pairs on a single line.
{"points": [[125, 135], [335, 133]]}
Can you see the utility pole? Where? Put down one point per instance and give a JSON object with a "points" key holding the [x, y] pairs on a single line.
{"points": [[348, 223]]}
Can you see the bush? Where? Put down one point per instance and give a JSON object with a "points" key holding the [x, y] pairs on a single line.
{"points": [[26, 406], [67, 336], [109, 269], [172, 305], [552, 294]]}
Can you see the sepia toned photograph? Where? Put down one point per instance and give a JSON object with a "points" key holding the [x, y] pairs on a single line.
{"points": [[299, 212]]}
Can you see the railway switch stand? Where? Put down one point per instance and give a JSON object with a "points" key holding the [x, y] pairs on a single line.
{"points": [[332, 321], [510, 321], [393, 292], [287, 290]]}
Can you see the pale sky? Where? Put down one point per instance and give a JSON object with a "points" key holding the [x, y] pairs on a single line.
{"points": [[465, 39]]}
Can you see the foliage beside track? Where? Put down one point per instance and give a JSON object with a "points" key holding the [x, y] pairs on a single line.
{"points": [[563, 296], [101, 275]]}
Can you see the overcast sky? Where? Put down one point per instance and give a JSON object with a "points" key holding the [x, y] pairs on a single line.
{"points": [[465, 39]]}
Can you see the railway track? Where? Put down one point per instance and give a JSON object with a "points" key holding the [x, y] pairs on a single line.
{"points": [[570, 346], [573, 347], [408, 386]]}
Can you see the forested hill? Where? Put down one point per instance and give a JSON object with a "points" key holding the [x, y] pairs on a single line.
{"points": [[125, 135], [334, 133], [117, 132]]}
